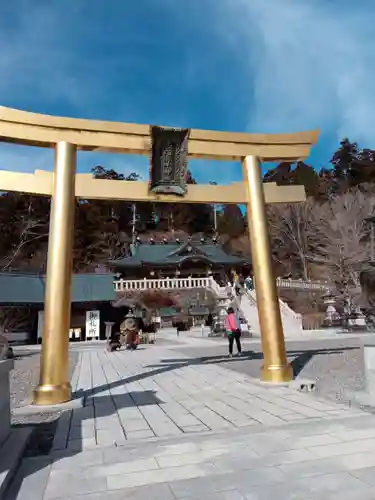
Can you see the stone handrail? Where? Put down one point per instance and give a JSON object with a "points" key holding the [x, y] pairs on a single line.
{"points": [[165, 284], [251, 297], [122, 285], [287, 310], [305, 285], [284, 307]]}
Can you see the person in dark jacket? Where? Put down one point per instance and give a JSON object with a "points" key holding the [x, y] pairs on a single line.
{"points": [[180, 327], [114, 343]]}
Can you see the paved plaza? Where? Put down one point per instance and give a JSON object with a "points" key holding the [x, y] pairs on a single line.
{"points": [[159, 423]]}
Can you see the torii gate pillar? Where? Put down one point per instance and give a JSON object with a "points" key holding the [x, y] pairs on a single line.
{"points": [[54, 386], [275, 368]]}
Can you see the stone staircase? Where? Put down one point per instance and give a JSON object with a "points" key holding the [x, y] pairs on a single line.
{"points": [[247, 305]]}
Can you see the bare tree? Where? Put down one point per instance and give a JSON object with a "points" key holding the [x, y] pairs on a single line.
{"points": [[27, 226], [13, 319], [343, 243], [293, 233]]}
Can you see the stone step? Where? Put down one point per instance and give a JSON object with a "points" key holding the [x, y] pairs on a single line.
{"points": [[236, 463], [146, 446], [11, 454]]}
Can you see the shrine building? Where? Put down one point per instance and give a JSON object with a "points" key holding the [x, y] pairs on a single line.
{"points": [[92, 296], [178, 258]]}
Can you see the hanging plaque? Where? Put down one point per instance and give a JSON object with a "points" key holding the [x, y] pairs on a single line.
{"points": [[168, 160]]}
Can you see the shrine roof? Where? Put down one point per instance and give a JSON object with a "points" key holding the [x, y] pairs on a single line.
{"points": [[168, 312], [24, 288], [174, 254], [199, 311]]}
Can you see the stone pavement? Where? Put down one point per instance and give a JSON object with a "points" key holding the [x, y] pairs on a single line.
{"points": [[160, 425], [194, 337]]}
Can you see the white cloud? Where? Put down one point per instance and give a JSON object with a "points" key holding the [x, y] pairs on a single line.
{"points": [[311, 62]]}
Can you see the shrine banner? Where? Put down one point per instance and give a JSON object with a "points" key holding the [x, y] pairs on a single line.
{"points": [[168, 160], [92, 325]]}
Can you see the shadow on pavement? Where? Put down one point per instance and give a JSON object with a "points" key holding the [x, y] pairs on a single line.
{"points": [[42, 438], [300, 358], [107, 405]]}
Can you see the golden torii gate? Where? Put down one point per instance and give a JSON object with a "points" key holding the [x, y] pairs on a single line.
{"points": [[66, 136]]}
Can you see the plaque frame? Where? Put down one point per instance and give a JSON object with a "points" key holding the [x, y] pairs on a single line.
{"points": [[168, 160]]}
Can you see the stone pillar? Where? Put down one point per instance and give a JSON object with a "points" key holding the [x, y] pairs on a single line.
{"points": [[108, 329]]}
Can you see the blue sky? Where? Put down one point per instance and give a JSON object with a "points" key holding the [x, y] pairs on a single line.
{"points": [[240, 65]]}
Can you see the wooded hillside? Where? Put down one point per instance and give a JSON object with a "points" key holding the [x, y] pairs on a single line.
{"points": [[324, 238]]}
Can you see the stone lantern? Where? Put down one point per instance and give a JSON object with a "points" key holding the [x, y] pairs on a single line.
{"points": [[331, 314]]}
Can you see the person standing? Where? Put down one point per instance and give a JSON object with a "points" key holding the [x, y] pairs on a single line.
{"points": [[236, 282], [210, 322], [179, 327], [229, 290], [233, 329], [234, 276], [249, 283]]}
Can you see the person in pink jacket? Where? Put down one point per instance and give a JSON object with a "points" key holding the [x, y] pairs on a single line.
{"points": [[233, 329]]}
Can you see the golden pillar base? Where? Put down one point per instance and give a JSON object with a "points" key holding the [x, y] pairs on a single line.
{"points": [[276, 374], [52, 394]]}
